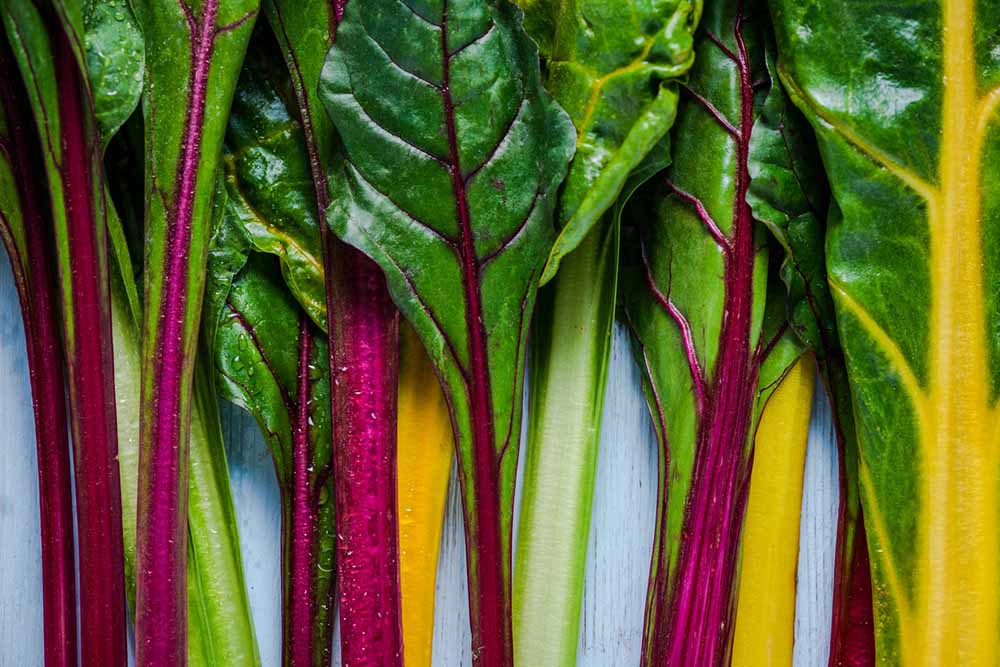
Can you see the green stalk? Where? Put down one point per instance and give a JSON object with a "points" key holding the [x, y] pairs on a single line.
{"points": [[570, 351]]}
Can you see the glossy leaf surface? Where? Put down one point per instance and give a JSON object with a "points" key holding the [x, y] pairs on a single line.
{"points": [[908, 136], [612, 66], [452, 152]]}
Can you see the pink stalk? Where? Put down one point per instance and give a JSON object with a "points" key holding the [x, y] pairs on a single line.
{"points": [[363, 334], [300, 529], [364, 385], [35, 281], [87, 320], [161, 609], [688, 624]]}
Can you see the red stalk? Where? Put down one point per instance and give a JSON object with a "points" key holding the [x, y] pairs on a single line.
{"points": [[363, 326], [300, 527], [161, 554], [87, 320], [487, 551], [364, 374], [852, 637], [39, 303], [686, 631]]}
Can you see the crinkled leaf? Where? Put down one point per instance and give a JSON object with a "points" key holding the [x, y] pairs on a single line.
{"points": [[116, 58], [268, 175], [612, 65]]}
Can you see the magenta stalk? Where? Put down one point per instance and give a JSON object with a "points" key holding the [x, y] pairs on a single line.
{"points": [[35, 282], [364, 376]]}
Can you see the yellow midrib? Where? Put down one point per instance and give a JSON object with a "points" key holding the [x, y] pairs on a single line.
{"points": [[765, 607], [424, 454], [955, 612]]}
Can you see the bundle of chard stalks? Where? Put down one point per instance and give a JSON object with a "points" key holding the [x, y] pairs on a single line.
{"points": [[365, 220]]}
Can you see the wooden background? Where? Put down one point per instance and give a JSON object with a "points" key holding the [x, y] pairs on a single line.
{"points": [[620, 538]]}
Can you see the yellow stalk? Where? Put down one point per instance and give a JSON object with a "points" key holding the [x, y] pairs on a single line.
{"points": [[424, 466], [765, 611]]}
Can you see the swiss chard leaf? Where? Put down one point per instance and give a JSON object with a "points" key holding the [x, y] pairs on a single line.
{"points": [[912, 170], [189, 83], [710, 331], [789, 194], [451, 194], [613, 66]]}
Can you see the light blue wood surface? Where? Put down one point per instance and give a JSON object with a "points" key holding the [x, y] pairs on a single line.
{"points": [[620, 541]]}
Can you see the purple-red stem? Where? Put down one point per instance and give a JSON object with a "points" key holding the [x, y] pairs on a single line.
{"points": [[300, 529], [39, 303], [90, 365], [692, 629], [364, 385], [487, 550], [363, 327], [161, 608], [852, 636]]}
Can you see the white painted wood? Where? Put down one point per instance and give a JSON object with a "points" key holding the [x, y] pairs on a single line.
{"points": [[620, 541]]}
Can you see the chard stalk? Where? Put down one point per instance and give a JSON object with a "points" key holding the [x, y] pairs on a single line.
{"points": [[765, 602], [362, 325], [622, 106], [48, 47], [185, 111], [711, 333], [424, 460], [26, 234]]}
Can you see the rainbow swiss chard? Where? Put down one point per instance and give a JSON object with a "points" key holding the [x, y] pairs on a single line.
{"points": [[190, 78], [220, 629], [710, 332], [451, 194], [27, 236], [295, 135], [48, 42], [908, 252], [788, 193], [611, 64]]}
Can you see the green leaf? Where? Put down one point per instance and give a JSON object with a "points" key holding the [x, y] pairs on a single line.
{"points": [[251, 321], [612, 65], [452, 153], [268, 174], [115, 61], [909, 247]]}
